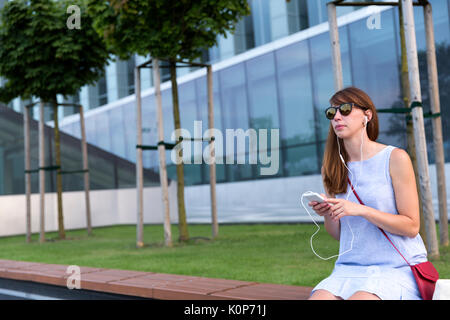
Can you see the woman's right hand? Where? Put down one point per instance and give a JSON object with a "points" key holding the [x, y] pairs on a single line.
{"points": [[321, 209]]}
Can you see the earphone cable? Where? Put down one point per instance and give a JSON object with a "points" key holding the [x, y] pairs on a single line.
{"points": [[348, 195]]}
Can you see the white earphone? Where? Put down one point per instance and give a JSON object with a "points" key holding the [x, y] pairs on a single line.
{"points": [[348, 194]]}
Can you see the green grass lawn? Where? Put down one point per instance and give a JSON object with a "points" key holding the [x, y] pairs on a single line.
{"points": [[267, 253]]}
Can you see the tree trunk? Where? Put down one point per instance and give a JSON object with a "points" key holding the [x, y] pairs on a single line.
{"points": [[26, 142], [139, 167], [87, 187], [61, 231], [411, 148], [335, 47], [212, 166], [435, 107], [162, 155], [41, 173], [182, 224], [419, 129]]}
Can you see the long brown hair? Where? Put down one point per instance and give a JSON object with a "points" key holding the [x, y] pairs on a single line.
{"points": [[334, 173]]}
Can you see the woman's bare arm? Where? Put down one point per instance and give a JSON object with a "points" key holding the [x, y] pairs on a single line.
{"points": [[407, 222]]}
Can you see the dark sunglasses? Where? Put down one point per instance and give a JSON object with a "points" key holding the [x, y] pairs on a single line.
{"points": [[345, 109]]}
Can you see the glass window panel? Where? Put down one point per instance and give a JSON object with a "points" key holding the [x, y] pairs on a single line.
{"points": [[214, 53], [91, 136], [149, 131], [297, 14], [301, 160], [263, 98], [395, 137], [296, 100], [129, 118], [317, 12], [102, 130], [166, 97], [220, 169], [67, 128], [71, 159], [192, 174], [151, 160], [376, 69], [102, 91], [374, 62], [440, 23], [73, 129], [188, 106], [131, 64], [272, 153], [226, 45], [235, 115], [201, 86], [244, 36], [118, 133], [171, 168], [323, 81], [103, 177], [262, 92], [202, 94], [76, 129], [261, 21], [188, 116], [104, 166], [126, 178], [13, 171]]}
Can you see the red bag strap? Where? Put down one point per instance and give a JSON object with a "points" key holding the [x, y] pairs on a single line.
{"points": [[354, 191]]}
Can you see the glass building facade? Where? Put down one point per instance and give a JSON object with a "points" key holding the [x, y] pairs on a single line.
{"points": [[274, 72], [106, 171]]}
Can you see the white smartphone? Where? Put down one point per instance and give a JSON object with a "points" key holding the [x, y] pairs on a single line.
{"points": [[313, 196]]}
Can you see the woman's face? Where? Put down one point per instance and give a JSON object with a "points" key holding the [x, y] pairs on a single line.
{"points": [[347, 126]]}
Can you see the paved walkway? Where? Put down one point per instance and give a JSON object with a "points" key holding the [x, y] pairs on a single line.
{"points": [[152, 285]]}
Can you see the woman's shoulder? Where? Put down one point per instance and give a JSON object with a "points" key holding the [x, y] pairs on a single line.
{"points": [[399, 154], [399, 161]]}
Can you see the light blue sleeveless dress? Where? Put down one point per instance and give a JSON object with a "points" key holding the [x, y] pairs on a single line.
{"points": [[373, 265]]}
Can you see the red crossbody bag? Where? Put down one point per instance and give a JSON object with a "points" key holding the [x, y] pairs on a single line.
{"points": [[425, 273]]}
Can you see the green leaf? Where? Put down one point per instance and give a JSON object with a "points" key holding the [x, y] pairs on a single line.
{"points": [[40, 56]]}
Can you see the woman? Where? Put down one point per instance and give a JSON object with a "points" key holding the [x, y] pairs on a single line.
{"points": [[369, 266]]}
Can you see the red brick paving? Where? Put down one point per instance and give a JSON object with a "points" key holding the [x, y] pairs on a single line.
{"points": [[152, 285]]}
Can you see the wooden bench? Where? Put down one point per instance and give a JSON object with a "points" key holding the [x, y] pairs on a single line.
{"points": [[151, 285]]}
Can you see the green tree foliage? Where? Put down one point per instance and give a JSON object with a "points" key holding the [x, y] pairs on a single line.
{"points": [[165, 28], [40, 56]]}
